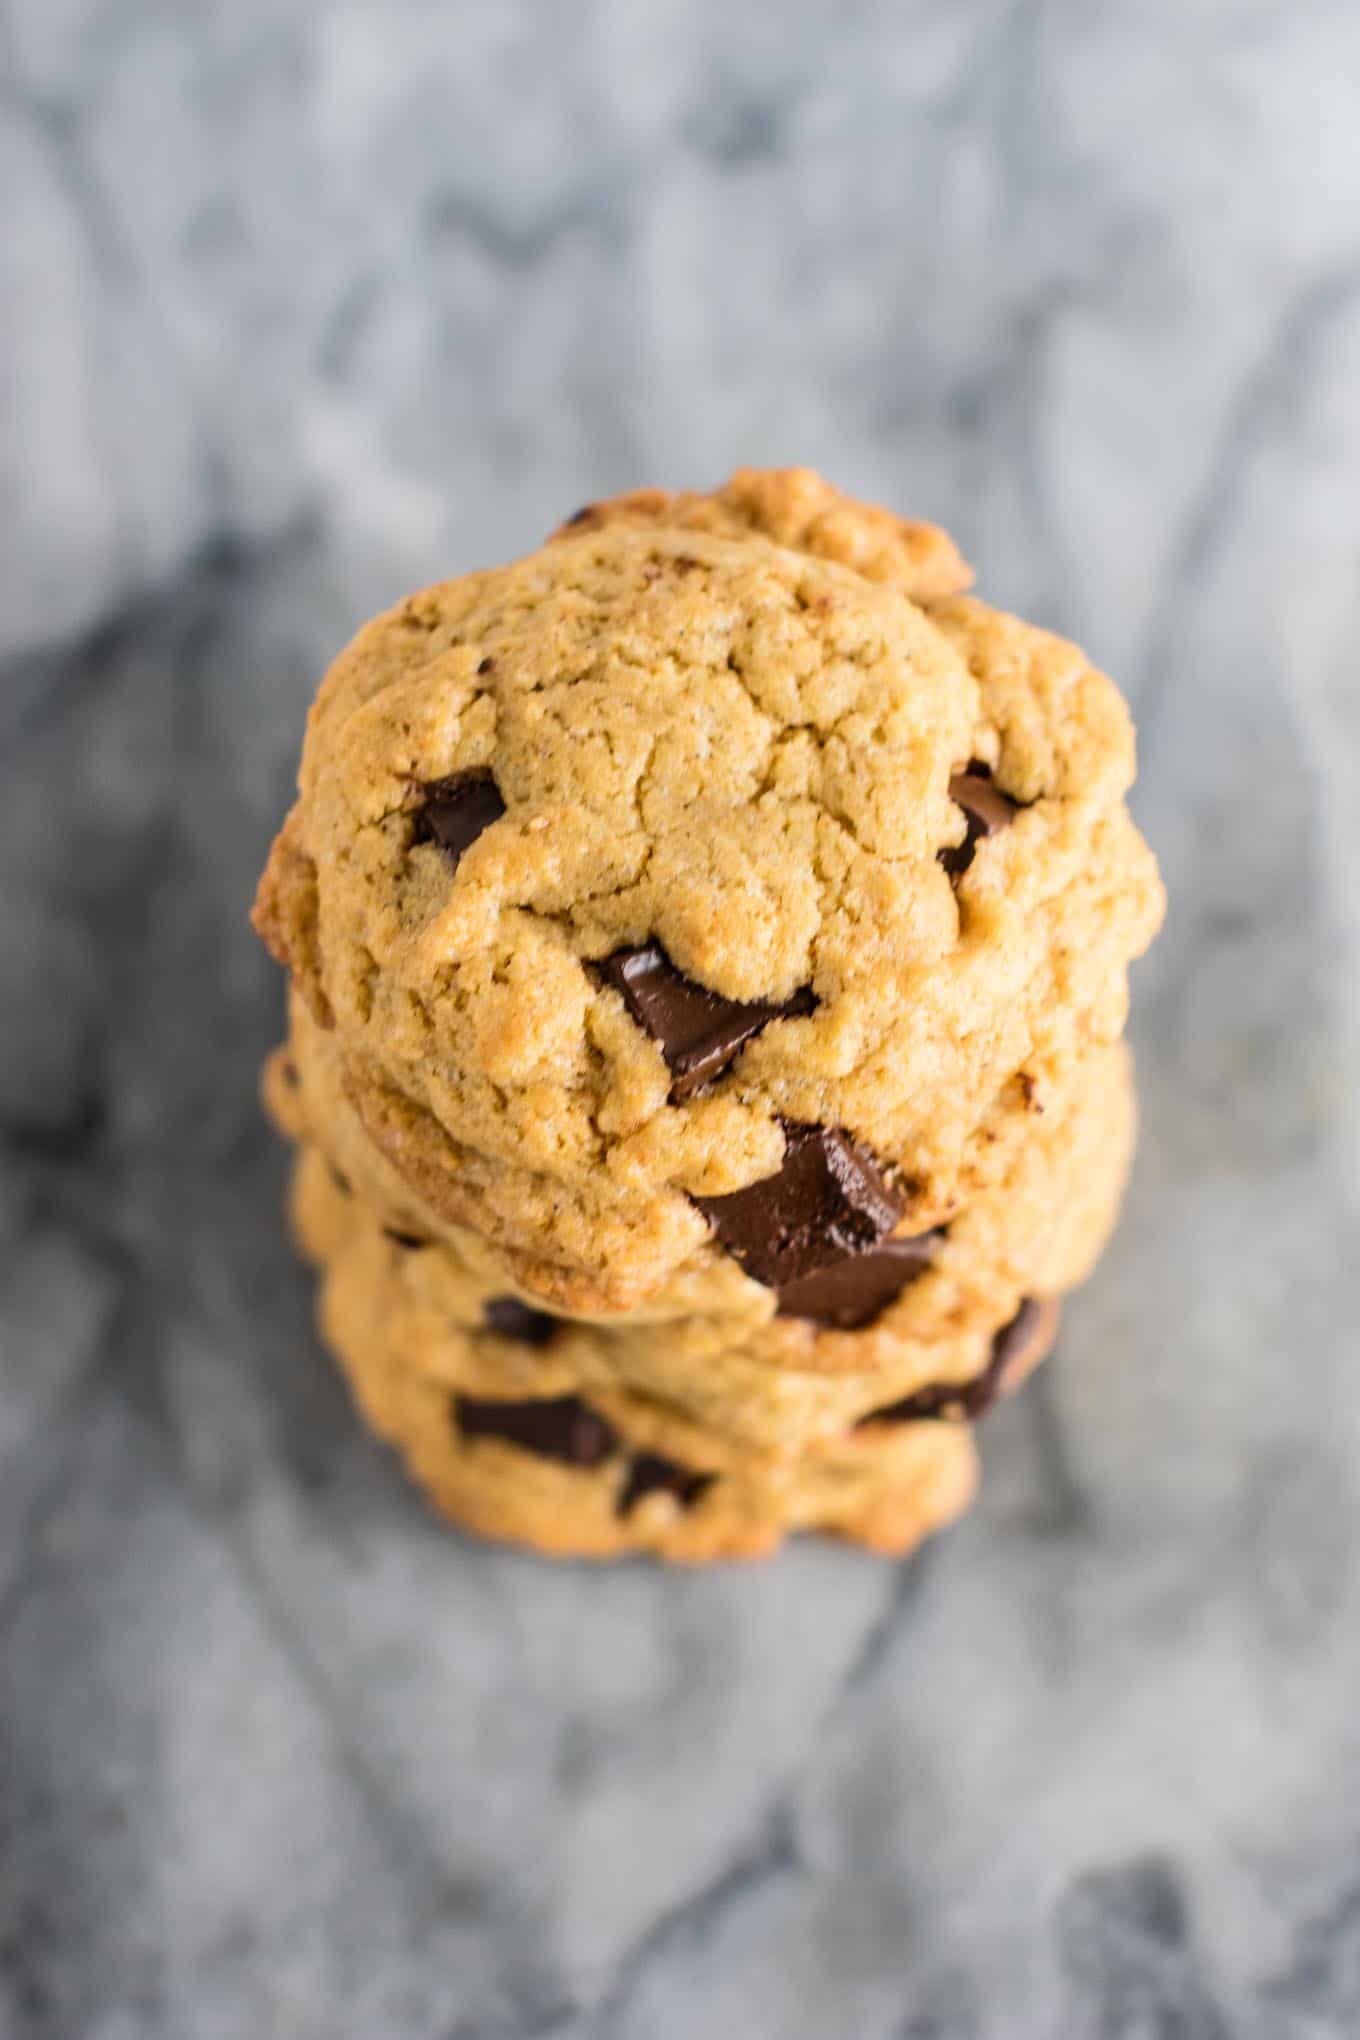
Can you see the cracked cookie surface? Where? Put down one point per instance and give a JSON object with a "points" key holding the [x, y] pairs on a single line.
{"points": [[797, 509], [693, 1390], [886, 1493], [514, 1438], [1038, 1227], [672, 730]]}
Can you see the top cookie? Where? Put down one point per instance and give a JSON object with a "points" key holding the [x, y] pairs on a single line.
{"points": [[673, 860], [795, 508]]}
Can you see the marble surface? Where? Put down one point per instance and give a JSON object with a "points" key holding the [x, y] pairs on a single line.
{"points": [[303, 303]]}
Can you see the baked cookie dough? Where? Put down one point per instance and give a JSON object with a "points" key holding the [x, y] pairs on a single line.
{"points": [[673, 860], [497, 1431], [567, 1483], [704, 1386], [795, 508], [1036, 1231]]}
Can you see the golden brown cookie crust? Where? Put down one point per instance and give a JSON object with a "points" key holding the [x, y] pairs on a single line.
{"points": [[697, 1390], [795, 508], [1037, 1230], [704, 736], [923, 1479], [884, 1486]]}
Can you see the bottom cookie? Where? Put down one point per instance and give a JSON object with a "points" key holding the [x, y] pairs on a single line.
{"points": [[509, 1440], [693, 1390], [557, 1475]]}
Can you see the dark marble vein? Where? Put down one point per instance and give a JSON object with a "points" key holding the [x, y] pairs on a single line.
{"points": [[770, 1855]]}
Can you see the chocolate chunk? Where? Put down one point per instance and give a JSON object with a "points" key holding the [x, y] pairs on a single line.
{"points": [[848, 1295], [1017, 1347], [699, 1032], [516, 1320], [409, 1240], [340, 1180], [649, 1473], [828, 1202], [563, 1427], [556, 1427], [988, 811], [956, 1401], [453, 812], [288, 1071]]}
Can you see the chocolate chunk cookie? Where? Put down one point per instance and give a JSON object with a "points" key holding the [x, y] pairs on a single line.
{"points": [[1038, 1228], [718, 832], [766, 1387], [511, 1441]]}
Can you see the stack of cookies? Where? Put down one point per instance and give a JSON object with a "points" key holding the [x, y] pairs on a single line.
{"points": [[708, 940]]}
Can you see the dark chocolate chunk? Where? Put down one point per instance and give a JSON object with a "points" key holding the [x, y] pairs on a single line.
{"points": [[516, 1320], [453, 812], [957, 1402], [1014, 1349], [828, 1202], [848, 1295], [409, 1240], [340, 1180], [288, 1070], [987, 809], [556, 1427], [1021, 1345], [699, 1032], [649, 1473]]}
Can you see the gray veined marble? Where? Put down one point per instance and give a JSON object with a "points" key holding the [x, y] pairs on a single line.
{"points": [[302, 303]]}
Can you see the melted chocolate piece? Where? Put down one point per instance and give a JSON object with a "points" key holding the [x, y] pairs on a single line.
{"points": [[340, 1180], [557, 1427], [409, 1240], [649, 1473], [516, 1320], [453, 812], [1016, 1346], [699, 1032], [1021, 1345], [563, 1427], [848, 1295], [828, 1202], [988, 811]]}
